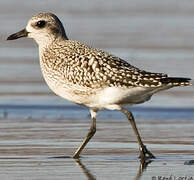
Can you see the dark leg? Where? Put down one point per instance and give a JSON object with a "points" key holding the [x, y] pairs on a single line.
{"points": [[144, 152], [89, 135]]}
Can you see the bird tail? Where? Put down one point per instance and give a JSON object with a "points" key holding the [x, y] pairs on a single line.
{"points": [[176, 81]]}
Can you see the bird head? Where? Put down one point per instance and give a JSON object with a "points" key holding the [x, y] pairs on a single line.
{"points": [[44, 28]]}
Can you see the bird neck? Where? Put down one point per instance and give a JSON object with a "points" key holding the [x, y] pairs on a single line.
{"points": [[47, 42]]}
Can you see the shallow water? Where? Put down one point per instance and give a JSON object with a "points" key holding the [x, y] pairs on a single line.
{"points": [[42, 149], [35, 124]]}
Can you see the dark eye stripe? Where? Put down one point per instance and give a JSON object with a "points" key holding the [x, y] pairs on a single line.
{"points": [[41, 24]]}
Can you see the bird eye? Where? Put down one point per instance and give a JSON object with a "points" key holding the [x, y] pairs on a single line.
{"points": [[41, 24]]}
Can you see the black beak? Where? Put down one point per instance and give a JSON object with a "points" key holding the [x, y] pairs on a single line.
{"points": [[22, 33]]}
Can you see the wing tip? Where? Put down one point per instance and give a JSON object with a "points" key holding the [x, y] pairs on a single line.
{"points": [[176, 81]]}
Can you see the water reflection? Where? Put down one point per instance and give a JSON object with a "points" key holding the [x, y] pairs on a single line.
{"points": [[143, 164], [142, 167], [85, 170]]}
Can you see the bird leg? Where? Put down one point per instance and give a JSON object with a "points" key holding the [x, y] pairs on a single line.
{"points": [[89, 135], [144, 152]]}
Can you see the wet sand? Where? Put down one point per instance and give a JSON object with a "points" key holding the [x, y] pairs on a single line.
{"points": [[42, 149]]}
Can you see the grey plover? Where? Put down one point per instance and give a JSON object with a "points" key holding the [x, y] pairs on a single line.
{"points": [[92, 77]]}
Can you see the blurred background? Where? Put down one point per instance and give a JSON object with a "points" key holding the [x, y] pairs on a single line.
{"points": [[153, 35]]}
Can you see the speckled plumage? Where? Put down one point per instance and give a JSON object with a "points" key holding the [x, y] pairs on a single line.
{"points": [[93, 68], [73, 63]]}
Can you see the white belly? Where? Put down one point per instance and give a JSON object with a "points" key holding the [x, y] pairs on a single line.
{"points": [[105, 98]]}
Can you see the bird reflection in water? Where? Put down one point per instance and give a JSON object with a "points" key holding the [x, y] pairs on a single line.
{"points": [[85, 170], [142, 167]]}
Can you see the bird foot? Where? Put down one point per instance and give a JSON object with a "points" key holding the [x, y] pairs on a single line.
{"points": [[76, 156], [145, 153]]}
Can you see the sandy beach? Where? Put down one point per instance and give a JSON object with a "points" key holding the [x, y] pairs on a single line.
{"points": [[42, 149]]}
